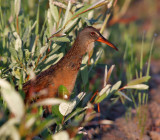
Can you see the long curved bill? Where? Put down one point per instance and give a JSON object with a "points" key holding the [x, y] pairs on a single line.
{"points": [[103, 40]]}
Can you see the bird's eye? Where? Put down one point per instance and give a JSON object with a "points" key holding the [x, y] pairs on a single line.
{"points": [[92, 33]]}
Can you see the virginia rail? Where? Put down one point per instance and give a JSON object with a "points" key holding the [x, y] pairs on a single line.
{"points": [[66, 70]]}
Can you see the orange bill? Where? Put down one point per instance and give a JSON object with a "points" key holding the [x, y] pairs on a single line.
{"points": [[103, 40]]}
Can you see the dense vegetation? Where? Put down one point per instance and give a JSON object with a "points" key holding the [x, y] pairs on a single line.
{"points": [[25, 50]]}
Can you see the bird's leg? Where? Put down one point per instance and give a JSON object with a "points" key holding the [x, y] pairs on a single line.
{"points": [[98, 108], [94, 95], [98, 103]]}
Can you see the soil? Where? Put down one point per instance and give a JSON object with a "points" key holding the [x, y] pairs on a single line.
{"points": [[137, 128], [142, 123]]}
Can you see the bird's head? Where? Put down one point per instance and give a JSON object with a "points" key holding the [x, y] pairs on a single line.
{"points": [[89, 35]]}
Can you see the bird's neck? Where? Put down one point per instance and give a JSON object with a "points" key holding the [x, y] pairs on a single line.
{"points": [[72, 60]]}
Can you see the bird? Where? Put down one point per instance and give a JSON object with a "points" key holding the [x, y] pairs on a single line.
{"points": [[66, 70]]}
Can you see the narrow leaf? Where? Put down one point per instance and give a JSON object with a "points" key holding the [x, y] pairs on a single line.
{"points": [[88, 8], [48, 101], [60, 135], [44, 124], [17, 6], [109, 73], [108, 91], [150, 54], [37, 19], [13, 53], [8, 130], [59, 56], [78, 110], [105, 94], [54, 10], [104, 90], [66, 108], [13, 99], [139, 80], [67, 12], [84, 70], [138, 86], [70, 24], [124, 95], [98, 4], [43, 49], [18, 42], [116, 86]]}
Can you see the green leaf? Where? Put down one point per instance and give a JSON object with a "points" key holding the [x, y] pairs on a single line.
{"points": [[96, 58], [61, 39], [81, 11], [31, 121], [70, 25], [84, 74], [53, 57], [33, 26], [116, 86], [17, 6], [16, 72], [27, 54], [87, 98], [109, 73], [106, 91], [20, 54], [37, 19], [13, 53], [9, 130], [138, 86], [67, 12], [25, 35], [98, 4], [74, 113], [84, 70], [55, 111], [36, 48], [63, 92], [13, 99], [139, 80], [87, 8], [44, 124], [54, 10], [150, 54], [48, 101], [50, 21], [103, 94], [66, 108], [2, 18], [51, 60], [18, 42], [124, 95], [43, 49], [60, 135]]}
